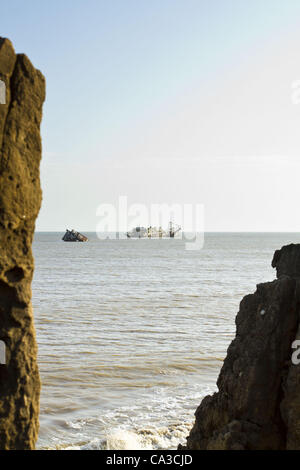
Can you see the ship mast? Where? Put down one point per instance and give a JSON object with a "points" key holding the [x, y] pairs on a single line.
{"points": [[171, 230]]}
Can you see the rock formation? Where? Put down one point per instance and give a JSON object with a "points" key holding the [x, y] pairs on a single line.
{"points": [[20, 199], [258, 402]]}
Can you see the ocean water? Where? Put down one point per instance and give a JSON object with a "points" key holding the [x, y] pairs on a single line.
{"points": [[132, 333]]}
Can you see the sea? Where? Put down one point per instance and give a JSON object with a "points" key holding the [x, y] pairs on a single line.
{"points": [[132, 334]]}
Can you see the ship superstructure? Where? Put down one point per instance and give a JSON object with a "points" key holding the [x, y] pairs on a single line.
{"points": [[154, 232]]}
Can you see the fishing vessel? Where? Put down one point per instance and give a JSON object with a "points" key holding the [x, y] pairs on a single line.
{"points": [[154, 232], [72, 236]]}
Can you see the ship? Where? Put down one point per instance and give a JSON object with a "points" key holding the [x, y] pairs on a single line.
{"points": [[72, 236], [154, 232]]}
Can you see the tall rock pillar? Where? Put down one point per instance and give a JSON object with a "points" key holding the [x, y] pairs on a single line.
{"points": [[20, 200]]}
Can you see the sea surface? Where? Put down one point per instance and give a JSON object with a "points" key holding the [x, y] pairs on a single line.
{"points": [[132, 333]]}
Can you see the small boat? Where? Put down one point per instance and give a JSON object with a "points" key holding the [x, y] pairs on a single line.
{"points": [[72, 236]]}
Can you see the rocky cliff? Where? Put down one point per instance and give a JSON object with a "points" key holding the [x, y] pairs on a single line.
{"points": [[258, 402], [20, 199]]}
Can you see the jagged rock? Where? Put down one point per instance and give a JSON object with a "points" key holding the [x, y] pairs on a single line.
{"points": [[20, 199], [287, 261], [258, 403]]}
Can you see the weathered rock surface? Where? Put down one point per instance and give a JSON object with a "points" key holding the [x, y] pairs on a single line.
{"points": [[287, 261], [20, 199], [258, 402]]}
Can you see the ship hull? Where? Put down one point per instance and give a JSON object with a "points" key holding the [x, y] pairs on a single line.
{"points": [[72, 237]]}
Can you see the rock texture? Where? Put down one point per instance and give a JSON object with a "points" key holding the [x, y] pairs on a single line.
{"points": [[20, 199], [258, 402]]}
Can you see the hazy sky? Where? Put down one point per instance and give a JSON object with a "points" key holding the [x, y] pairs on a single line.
{"points": [[166, 101]]}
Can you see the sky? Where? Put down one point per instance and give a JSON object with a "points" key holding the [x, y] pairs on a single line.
{"points": [[164, 102]]}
